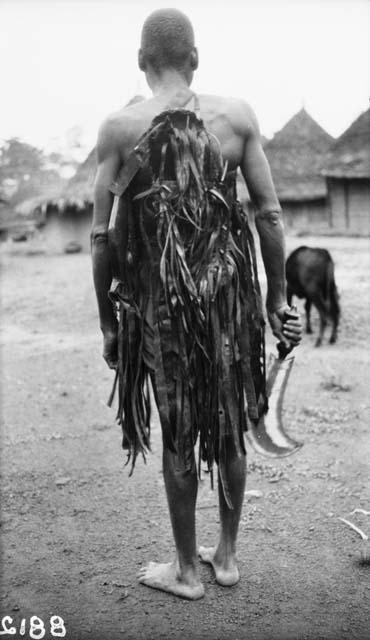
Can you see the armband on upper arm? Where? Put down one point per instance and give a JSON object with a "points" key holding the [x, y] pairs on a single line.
{"points": [[99, 235], [271, 216]]}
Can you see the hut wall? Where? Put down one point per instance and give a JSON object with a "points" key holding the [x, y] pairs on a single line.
{"points": [[310, 214], [350, 204], [359, 205], [337, 198], [61, 228]]}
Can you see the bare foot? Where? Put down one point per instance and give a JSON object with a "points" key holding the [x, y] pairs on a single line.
{"points": [[226, 573], [166, 577]]}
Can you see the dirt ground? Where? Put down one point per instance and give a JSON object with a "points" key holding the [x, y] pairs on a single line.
{"points": [[75, 528]]}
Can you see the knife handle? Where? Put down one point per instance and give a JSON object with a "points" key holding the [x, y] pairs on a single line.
{"points": [[283, 350]]}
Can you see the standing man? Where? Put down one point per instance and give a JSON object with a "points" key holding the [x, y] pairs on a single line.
{"points": [[188, 303]]}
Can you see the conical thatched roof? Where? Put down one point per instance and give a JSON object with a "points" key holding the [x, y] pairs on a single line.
{"points": [[295, 155], [349, 157], [40, 193]]}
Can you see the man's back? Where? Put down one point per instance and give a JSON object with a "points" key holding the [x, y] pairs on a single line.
{"points": [[229, 119]]}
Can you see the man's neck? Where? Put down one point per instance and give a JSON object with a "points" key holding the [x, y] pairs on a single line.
{"points": [[168, 82]]}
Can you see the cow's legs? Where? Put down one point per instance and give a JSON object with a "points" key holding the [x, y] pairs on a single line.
{"points": [[307, 306], [321, 307], [335, 311], [334, 333]]}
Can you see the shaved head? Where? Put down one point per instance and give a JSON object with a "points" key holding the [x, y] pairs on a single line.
{"points": [[167, 39]]}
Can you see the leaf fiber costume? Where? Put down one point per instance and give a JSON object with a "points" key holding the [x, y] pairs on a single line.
{"points": [[187, 296]]}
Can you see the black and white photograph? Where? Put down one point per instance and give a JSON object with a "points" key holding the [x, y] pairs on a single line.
{"points": [[185, 319]]}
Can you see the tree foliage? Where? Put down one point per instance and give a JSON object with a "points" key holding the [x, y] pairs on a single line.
{"points": [[26, 171], [19, 159]]}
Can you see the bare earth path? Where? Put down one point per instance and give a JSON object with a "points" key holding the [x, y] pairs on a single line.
{"points": [[75, 528]]}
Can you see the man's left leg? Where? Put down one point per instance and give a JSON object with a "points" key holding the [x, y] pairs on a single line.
{"points": [[223, 556], [180, 576]]}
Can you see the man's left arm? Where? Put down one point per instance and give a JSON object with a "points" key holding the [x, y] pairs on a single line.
{"points": [[270, 228], [109, 161]]}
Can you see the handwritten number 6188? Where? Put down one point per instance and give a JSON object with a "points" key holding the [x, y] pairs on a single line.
{"points": [[37, 628]]}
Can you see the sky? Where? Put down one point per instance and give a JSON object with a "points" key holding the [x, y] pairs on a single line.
{"points": [[64, 65]]}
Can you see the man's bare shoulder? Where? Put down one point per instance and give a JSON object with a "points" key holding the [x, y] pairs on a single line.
{"points": [[122, 128], [108, 135], [236, 111], [115, 130]]}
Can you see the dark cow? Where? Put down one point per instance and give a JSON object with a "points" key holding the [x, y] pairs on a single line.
{"points": [[310, 275]]}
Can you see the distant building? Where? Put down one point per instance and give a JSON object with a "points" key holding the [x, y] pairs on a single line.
{"points": [[295, 156], [68, 218], [347, 172], [13, 225]]}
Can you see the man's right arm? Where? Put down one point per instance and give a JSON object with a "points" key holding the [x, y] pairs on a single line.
{"points": [[109, 161]]}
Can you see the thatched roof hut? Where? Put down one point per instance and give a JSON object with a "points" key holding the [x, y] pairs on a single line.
{"points": [[35, 206], [347, 172], [349, 156], [75, 193], [295, 155], [78, 192]]}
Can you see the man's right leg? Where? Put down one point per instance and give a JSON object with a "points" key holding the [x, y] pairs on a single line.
{"points": [[181, 576], [223, 557]]}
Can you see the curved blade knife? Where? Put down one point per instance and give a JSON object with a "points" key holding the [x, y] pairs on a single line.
{"points": [[268, 436]]}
